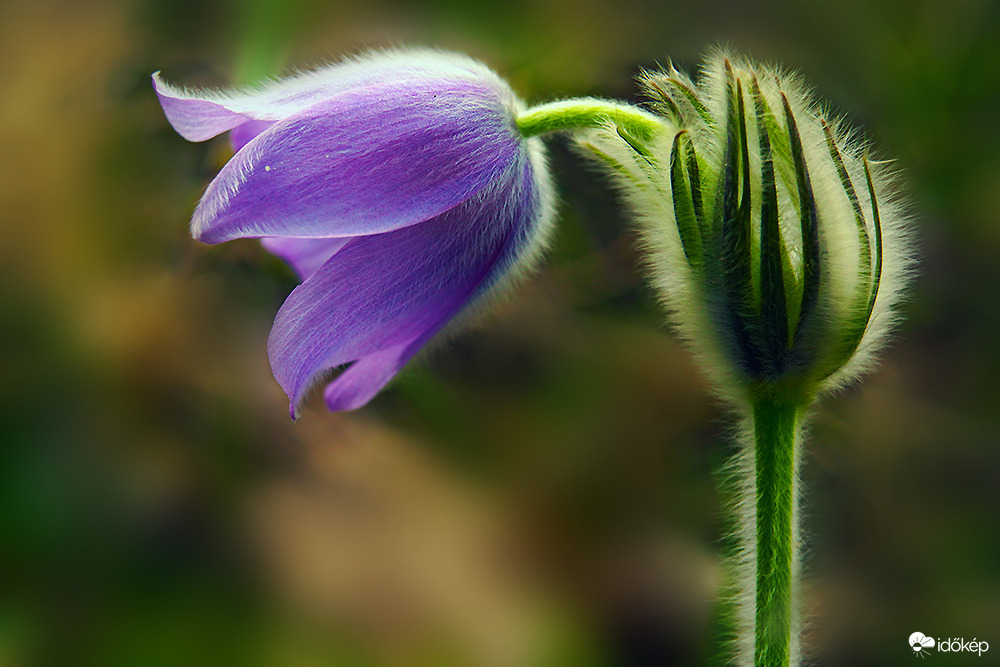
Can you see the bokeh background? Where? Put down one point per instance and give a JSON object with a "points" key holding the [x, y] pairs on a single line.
{"points": [[541, 491]]}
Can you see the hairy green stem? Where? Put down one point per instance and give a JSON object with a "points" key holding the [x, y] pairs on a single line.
{"points": [[587, 112], [775, 427]]}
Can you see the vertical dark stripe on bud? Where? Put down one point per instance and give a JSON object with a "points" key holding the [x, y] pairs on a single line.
{"points": [[743, 228], [694, 176], [774, 315], [734, 231], [878, 241], [724, 211], [803, 347], [684, 206]]}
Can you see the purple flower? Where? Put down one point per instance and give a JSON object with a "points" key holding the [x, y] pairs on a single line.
{"points": [[395, 185]]}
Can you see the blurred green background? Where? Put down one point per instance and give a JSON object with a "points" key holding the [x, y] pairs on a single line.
{"points": [[541, 490]]}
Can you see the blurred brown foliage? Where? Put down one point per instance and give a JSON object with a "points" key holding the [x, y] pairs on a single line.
{"points": [[538, 492]]}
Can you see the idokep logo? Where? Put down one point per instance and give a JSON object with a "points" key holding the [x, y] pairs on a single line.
{"points": [[922, 645], [920, 642]]}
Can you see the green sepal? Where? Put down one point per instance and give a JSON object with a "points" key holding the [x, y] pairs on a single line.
{"points": [[774, 341], [804, 345], [781, 150], [741, 252], [693, 100], [859, 310], [743, 231], [733, 235], [664, 99], [781, 163], [634, 143], [685, 212], [864, 303], [793, 291], [877, 277], [694, 177], [859, 217], [614, 164]]}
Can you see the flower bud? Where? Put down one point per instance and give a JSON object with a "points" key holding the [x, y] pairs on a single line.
{"points": [[775, 242]]}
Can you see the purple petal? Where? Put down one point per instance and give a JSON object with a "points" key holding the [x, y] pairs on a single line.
{"points": [[201, 115], [366, 377], [366, 161], [305, 256], [195, 119], [379, 299], [241, 135]]}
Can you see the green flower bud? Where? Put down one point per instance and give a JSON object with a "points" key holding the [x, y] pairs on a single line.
{"points": [[777, 245]]}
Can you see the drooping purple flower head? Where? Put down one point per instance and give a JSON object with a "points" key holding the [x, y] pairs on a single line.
{"points": [[395, 185]]}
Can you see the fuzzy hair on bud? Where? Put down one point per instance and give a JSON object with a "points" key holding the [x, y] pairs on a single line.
{"points": [[778, 246]]}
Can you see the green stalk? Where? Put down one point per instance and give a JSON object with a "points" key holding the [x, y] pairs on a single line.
{"points": [[588, 112], [775, 430]]}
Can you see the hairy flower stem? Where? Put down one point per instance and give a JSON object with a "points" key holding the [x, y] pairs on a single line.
{"points": [[776, 425], [587, 113]]}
